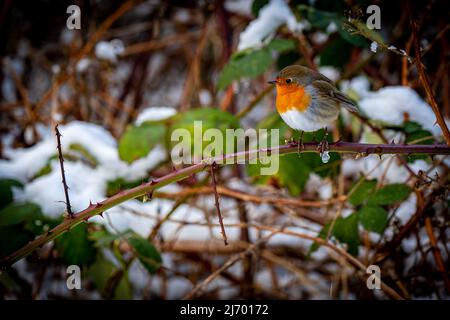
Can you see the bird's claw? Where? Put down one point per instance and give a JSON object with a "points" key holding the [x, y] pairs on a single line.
{"points": [[323, 146], [300, 144], [291, 142]]}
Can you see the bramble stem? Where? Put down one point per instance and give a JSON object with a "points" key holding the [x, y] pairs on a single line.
{"points": [[178, 175]]}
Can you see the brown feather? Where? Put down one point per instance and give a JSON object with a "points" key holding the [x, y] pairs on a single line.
{"points": [[328, 90]]}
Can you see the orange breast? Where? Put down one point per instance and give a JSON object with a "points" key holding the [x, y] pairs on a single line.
{"points": [[292, 97]]}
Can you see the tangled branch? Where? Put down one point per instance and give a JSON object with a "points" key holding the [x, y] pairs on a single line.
{"points": [[360, 149]]}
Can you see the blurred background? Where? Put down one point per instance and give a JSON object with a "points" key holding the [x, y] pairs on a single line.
{"points": [[136, 70]]}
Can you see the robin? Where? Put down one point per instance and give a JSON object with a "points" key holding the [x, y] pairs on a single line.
{"points": [[309, 101]]}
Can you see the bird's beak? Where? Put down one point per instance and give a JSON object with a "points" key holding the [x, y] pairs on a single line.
{"points": [[272, 81]]}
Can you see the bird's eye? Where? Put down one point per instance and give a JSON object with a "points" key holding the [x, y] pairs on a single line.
{"points": [[288, 80]]}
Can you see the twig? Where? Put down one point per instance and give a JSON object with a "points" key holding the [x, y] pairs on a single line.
{"points": [[254, 102], [63, 174], [237, 194], [177, 39], [212, 169], [95, 209], [106, 24], [436, 253], [225, 266], [425, 82]]}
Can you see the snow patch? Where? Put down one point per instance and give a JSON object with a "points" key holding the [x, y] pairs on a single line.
{"points": [[109, 50], [273, 15], [374, 46], [392, 104], [154, 114]]}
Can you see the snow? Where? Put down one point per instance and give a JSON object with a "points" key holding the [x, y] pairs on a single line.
{"points": [[109, 50], [330, 72], [273, 15], [320, 37], [205, 97], [86, 183], [332, 27], [391, 104], [387, 167], [8, 90], [182, 16], [359, 85], [374, 46], [323, 187], [56, 69], [243, 7], [154, 114], [83, 65]]}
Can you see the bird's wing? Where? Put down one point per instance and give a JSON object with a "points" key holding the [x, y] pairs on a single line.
{"points": [[327, 89]]}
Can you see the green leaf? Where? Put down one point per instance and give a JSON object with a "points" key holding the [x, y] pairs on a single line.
{"points": [[281, 45], [373, 218], [74, 247], [84, 153], [6, 192], [353, 39], [369, 34], [18, 213], [247, 64], [293, 174], [390, 194], [364, 188], [318, 18], [13, 238], [287, 58], [138, 141], [328, 56], [119, 184], [146, 253], [293, 169], [101, 271], [322, 234], [103, 238], [416, 135], [346, 231], [210, 118], [258, 5]]}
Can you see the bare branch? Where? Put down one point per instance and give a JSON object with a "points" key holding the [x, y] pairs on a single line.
{"points": [[63, 173], [212, 168], [95, 209]]}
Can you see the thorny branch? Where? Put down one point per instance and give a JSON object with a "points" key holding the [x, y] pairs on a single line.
{"points": [[360, 149], [212, 169], [426, 83], [63, 173]]}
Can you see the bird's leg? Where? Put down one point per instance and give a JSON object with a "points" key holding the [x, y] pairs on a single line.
{"points": [[323, 145], [300, 144], [290, 141]]}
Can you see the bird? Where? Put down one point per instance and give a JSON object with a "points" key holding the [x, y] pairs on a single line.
{"points": [[308, 101]]}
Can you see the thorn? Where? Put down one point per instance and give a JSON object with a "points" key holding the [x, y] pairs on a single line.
{"points": [[101, 214], [98, 205], [86, 218], [392, 142]]}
